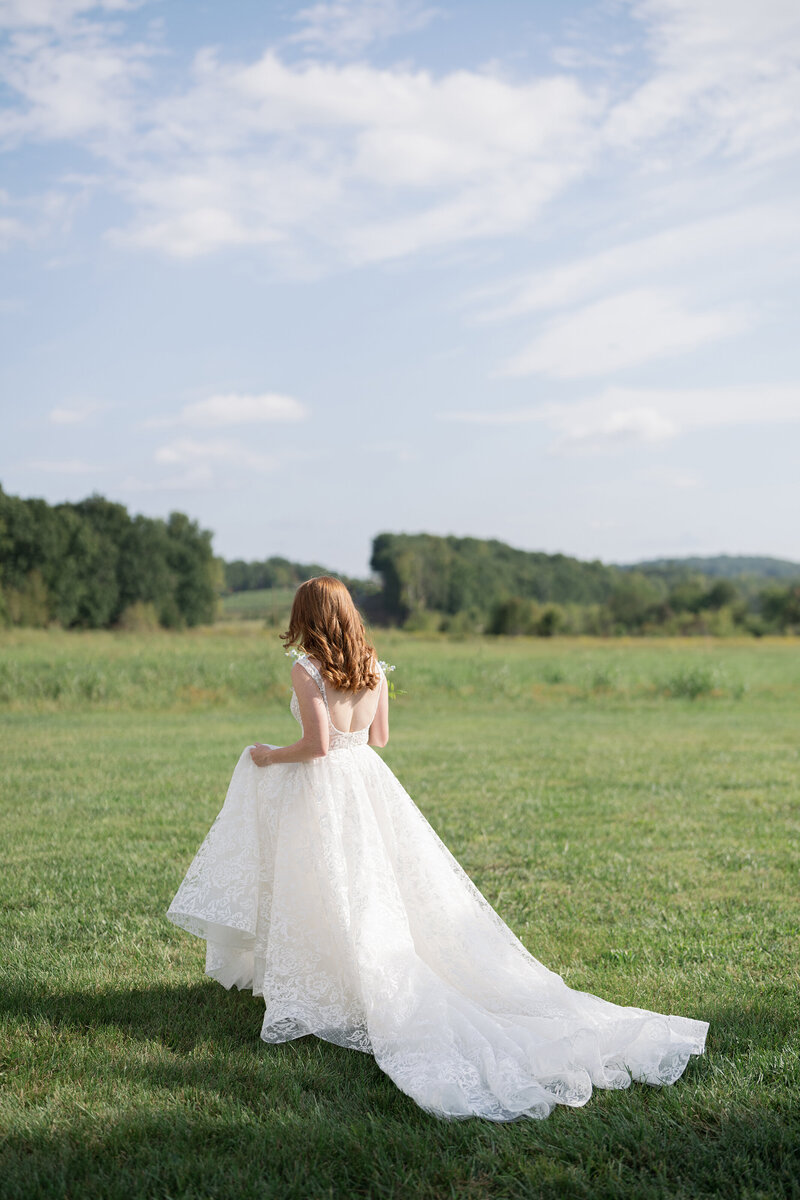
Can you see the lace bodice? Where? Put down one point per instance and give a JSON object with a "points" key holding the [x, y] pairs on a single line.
{"points": [[338, 739]]}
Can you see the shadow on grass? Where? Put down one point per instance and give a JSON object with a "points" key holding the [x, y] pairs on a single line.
{"points": [[212, 1043], [225, 1115], [180, 1016]]}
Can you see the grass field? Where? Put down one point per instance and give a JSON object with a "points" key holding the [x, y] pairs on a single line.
{"points": [[630, 808]]}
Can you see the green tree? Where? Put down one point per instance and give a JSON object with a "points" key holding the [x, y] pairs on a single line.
{"points": [[720, 594], [780, 606], [191, 561], [633, 599], [87, 564]]}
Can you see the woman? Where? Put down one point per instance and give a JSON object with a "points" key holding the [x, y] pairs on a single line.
{"points": [[323, 888]]}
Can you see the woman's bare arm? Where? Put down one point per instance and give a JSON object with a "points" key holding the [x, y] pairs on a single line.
{"points": [[314, 742], [379, 729]]}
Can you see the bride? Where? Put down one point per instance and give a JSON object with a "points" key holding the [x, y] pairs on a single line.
{"points": [[322, 888]]}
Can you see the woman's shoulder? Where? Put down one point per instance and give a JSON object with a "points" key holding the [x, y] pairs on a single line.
{"points": [[303, 667], [306, 677]]}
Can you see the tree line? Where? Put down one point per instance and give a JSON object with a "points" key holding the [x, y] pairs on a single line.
{"points": [[470, 585], [277, 572], [92, 565]]}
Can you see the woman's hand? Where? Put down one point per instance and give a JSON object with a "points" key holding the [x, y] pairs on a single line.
{"points": [[261, 754]]}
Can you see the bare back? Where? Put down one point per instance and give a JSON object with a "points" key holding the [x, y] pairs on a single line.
{"points": [[350, 711]]}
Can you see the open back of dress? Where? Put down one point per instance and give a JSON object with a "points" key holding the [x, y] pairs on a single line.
{"points": [[356, 711], [322, 887]]}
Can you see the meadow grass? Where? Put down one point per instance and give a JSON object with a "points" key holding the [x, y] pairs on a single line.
{"points": [[630, 808]]}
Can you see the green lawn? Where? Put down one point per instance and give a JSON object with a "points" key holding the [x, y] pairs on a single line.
{"points": [[642, 842]]}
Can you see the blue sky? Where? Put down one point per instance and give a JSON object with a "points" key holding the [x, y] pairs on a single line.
{"points": [[313, 271]]}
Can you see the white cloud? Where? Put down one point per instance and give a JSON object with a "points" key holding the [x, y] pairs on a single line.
{"points": [[221, 201], [737, 234], [187, 452], [56, 14], [615, 429], [189, 233], [235, 408], [40, 215], [620, 417], [12, 230], [349, 26], [319, 162], [625, 330], [372, 162], [75, 414], [700, 408], [724, 79], [71, 79], [496, 207]]}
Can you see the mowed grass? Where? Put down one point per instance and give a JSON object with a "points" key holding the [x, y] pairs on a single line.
{"points": [[630, 808]]}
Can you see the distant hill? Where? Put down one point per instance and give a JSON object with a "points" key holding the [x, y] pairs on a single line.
{"points": [[721, 566]]}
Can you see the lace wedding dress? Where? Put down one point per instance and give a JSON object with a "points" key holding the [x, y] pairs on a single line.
{"points": [[322, 888]]}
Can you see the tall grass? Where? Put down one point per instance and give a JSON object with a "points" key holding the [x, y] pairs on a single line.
{"points": [[243, 663]]}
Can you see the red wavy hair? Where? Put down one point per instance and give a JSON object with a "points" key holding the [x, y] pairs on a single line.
{"points": [[326, 623]]}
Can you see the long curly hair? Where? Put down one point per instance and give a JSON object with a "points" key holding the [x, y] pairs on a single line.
{"points": [[326, 623]]}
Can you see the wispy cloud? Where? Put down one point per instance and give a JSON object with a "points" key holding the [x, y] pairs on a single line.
{"points": [[25, 220], [618, 418], [75, 414], [373, 163], [724, 80], [71, 79], [634, 196], [331, 162], [626, 330], [67, 77], [56, 14], [188, 452], [235, 408], [349, 26], [13, 230], [616, 429], [738, 234]]}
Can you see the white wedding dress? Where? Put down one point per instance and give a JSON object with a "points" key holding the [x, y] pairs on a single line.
{"points": [[322, 888]]}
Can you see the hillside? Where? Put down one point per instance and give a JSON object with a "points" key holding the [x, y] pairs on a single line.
{"points": [[722, 566]]}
